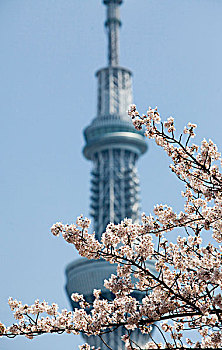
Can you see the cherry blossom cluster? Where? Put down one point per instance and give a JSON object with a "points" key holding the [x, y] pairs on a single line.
{"points": [[198, 167], [183, 292]]}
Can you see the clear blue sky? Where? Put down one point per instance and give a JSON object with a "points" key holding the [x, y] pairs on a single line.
{"points": [[49, 51]]}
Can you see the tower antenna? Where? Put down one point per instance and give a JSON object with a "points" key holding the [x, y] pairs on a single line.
{"points": [[113, 24]]}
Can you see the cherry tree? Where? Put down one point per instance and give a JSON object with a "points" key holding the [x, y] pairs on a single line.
{"points": [[184, 295]]}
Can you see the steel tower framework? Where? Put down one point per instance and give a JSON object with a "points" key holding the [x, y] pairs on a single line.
{"points": [[112, 143], [114, 146]]}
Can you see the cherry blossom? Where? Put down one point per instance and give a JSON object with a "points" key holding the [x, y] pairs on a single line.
{"points": [[182, 292]]}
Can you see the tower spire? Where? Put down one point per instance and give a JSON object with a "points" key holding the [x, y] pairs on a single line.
{"points": [[113, 24]]}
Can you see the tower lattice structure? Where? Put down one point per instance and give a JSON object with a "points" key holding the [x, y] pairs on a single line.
{"points": [[114, 146], [112, 142]]}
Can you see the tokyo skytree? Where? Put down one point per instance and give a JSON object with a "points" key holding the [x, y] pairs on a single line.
{"points": [[114, 146]]}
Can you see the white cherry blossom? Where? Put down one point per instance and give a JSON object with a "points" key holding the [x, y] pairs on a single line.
{"points": [[183, 292]]}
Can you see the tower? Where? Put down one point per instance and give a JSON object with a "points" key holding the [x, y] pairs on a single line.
{"points": [[113, 145]]}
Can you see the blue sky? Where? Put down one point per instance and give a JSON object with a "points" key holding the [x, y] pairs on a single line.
{"points": [[50, 50]]}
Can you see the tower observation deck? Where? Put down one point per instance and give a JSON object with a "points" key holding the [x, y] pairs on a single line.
{"points": [[114, 146]]}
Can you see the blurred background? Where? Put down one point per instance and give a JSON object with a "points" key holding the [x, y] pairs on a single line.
{"points": [[50, 50]]}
